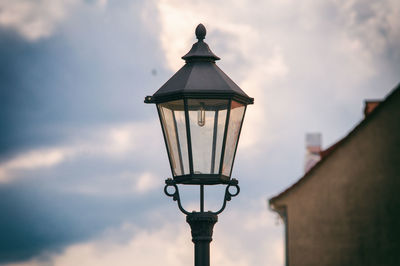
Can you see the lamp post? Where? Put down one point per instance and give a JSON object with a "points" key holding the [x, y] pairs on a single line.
{"points": [[201, 112]]}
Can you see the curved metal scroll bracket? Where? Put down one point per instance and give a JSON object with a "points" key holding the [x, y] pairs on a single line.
{"points": [[175, 195], [228, 195]]}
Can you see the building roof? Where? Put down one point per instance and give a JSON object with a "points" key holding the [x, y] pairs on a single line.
{"points": [[326, 154]]}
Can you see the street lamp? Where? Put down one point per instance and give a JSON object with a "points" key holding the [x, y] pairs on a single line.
{"points": [[201, 112]]}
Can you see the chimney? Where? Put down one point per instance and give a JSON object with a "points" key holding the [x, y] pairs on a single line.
{"points": [[369, 106], [313, 150]]}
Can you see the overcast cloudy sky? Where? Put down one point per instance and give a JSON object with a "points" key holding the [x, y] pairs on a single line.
{"points": [[82, 160]]}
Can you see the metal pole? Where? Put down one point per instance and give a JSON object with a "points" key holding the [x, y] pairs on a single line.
{"points": [[202, 224], [201, 198]]}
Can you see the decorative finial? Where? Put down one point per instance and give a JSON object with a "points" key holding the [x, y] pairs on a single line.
{"points": [[200, 50], [200, 32]]}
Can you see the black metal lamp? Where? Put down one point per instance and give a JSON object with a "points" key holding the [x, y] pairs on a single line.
{"points": [[201, 112]]}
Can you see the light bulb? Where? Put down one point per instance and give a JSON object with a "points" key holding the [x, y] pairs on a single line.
{"points": [[201, 117]]}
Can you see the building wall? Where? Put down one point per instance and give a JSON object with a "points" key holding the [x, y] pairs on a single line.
{"points": [[347, 212]]}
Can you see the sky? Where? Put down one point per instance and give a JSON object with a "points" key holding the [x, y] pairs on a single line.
{"points": [[82, 158]]}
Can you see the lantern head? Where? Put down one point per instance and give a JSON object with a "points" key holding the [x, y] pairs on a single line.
{"points": [[201, 112]]}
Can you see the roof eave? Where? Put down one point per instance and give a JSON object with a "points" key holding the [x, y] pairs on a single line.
{"points": [[160, 98]]}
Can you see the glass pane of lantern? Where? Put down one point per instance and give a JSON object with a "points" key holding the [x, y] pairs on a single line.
{"points": [[173, 121], [207, 119], [235, 122]]}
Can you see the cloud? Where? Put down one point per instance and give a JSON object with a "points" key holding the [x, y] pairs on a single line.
{"points": [[34, 159], [112, 142], [75, 154], [118, 184], [39, 19], [171, 242], [251, 223], [34, 20], [146, 182], [125, 245], [171, 246], [94, 71], [288, 54], [373, 23]]}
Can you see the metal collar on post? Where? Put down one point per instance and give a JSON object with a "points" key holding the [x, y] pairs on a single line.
{"points": [[201, 224]]}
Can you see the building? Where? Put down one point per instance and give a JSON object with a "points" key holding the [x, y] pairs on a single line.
{"points": [[346, 209]]}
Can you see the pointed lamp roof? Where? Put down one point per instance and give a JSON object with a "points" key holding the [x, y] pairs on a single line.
{"points": [[200, 77]]}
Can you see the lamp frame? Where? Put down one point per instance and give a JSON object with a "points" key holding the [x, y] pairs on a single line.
{"points": [[202, 179]]}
